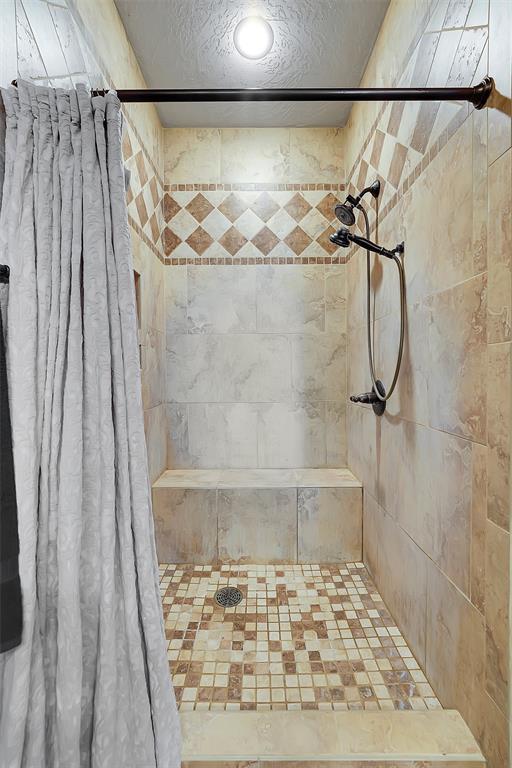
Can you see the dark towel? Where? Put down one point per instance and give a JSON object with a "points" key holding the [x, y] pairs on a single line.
{"points": [[11, 613]]}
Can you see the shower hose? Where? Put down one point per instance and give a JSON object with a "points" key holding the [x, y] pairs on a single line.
{"points": [[401, 277]]}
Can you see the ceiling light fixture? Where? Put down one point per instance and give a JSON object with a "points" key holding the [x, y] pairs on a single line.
{"points": [[253, 37]]}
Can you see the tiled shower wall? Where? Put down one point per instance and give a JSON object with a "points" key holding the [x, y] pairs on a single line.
{"points": [[436, 467], [255, 307], [61, 43]]}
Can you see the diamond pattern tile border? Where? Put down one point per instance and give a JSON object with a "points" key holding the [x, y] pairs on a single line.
{"points": [[235, 215]]}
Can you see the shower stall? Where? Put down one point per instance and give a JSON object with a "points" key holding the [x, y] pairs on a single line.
{"points": [[325, 354]]}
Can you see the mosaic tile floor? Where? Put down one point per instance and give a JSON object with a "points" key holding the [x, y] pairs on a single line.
{"points": [[303, 637]]}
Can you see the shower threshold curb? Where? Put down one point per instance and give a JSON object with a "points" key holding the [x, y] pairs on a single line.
{"points": [[312, 738]]}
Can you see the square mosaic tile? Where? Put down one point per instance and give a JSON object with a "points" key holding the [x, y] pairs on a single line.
{"points": [[302, 637]]}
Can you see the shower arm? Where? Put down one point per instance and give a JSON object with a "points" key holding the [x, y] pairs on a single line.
{"points": [[477, 95]]}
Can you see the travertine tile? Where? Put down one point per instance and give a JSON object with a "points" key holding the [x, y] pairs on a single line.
{"points": [[229, 368], [329, 525], [497, 580], [176, 426], [221, 299], [176, 300], [156, 441], [405, 588], [429, 223], [290, 299], [185, 524], [291, 435], [493, 731], [303, 637], [500, 64], [500, 249], [335, 434], [455, 641], [258, 525], [479, 501], [222, 435], [318, 366], [352, 739], [457, 346], [498, 428], [316, 153], [192, 154], [256, 155], [335, 298], [152, 368]]}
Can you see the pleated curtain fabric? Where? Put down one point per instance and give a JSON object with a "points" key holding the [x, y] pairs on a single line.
{"points": [[89, 685]]}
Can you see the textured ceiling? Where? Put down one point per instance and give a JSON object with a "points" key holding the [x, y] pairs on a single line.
{"points": [[189, 44]]}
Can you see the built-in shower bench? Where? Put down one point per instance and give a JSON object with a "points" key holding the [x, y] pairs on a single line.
{"points": [[258, 515]]}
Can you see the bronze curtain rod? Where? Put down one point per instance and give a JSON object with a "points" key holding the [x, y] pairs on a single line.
{"points": [[478, 95]]}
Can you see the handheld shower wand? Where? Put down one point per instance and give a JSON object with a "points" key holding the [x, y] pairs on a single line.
{"points": [[343, 238]]}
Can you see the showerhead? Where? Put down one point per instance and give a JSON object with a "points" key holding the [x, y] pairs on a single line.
{"points": [[342, 238], [345, 213]]}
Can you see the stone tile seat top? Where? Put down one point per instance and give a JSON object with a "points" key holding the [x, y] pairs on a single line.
{"points": [[258, 478]]}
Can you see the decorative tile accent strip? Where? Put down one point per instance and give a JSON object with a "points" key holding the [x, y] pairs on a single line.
{"points": [[405, 136], [249, 187], [303, 637], [250, 223]]}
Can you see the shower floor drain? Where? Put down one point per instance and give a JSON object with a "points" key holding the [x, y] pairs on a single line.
{"points": [[227, 597]]}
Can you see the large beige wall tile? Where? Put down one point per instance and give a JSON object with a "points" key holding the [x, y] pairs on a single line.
{"points": [[438, 244], [318, 366], [176, 300], [153, 368], [192, 154], [291, 299], [498, 428], [186, 525], [329, 525], [457, 347], [335, 433], [316, 153], [228, 368], [292, 434], [258, 525], [156, 441], [335, 298], [403, 588], [499, 303], [497, 575], [494, 733], [221, 435], [480, 188], [500, 67], [221, 299], [255, 155], [479, 455], [455, 647], [430, 496]]}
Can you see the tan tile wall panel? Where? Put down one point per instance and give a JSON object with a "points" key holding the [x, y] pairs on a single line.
{"points": [[436, 468]]}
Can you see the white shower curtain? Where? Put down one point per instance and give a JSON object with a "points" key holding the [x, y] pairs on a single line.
{"points": [[89, 686]]}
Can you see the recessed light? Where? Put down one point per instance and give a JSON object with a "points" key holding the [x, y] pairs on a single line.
{"points": [[253, 37]]}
